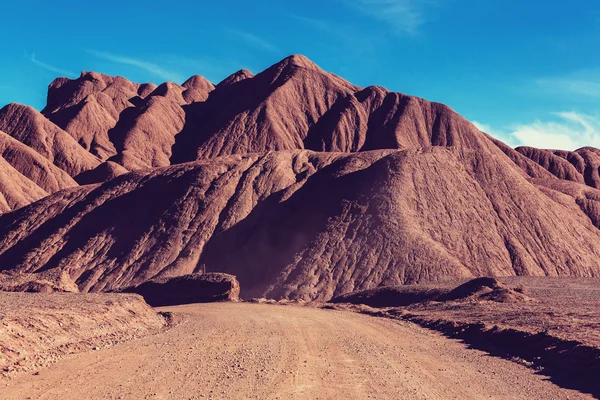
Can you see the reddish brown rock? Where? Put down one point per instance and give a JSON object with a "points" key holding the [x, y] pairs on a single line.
{"points": [[271, 111], [188, 289], [89, 123], [26, 175], [307, 226], [32, 129], [64, 93], [43, 282], [102, 173], [401, 190], [144, 135], [16, 190], [236, 77], [581, 166], [89, 106], [197, 89]]}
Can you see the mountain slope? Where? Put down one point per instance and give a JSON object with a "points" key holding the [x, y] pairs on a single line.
{"points": [[32, 129], [307, 225], [581, 166], [301, 184], [33, 165], [16, 190], [271, 111], [89, 106]]}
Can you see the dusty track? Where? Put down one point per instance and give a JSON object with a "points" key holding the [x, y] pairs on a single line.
{"points": [[247, 351]]}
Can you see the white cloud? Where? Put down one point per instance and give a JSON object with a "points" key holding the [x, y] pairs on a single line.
{"points": [[404, 16], [51, 68], [567, 131], [254, 40], [152, 68]]}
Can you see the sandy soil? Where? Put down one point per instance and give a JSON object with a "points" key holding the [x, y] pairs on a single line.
{"points": [[252, 351], [567, 308], [39, 329]]}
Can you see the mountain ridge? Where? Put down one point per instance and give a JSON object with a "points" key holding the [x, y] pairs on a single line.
{"points": [[296, 181]]}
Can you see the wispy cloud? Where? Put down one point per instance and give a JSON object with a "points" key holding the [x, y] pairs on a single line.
{"points": [[564, 131], [149, 67], [319, 24], [581, 83], [343, 34], [404, 16], [52, 68], [254, 41]]}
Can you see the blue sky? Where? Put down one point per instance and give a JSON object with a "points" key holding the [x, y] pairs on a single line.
{"points": [[526, 71]]}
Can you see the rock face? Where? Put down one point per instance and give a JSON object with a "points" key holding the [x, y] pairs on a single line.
{"points": [[104, 172], [580, 166], [299, 183], [25, 175], [188, 289], [32, 129], [43, 282], [307, 225]]}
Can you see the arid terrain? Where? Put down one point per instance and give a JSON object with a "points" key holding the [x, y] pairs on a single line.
{"points": [[38, 329], [306, 202], [567, 308], [301, 184], [251, 351]]}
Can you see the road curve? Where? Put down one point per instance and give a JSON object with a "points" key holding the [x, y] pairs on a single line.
{"points": [[249, 351]]}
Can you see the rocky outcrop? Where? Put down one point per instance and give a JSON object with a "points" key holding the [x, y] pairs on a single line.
{"points": [[387, 296], [102, 173], [485, 288], [271, 111], [197, 89], [188, 289], [43, 282]]}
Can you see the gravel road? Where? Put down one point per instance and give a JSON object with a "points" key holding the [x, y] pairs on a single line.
{"points": [[251, 351]]}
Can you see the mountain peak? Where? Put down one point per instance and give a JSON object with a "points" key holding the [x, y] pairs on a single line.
{"points": [[236, 77], [298, 60], [197, 81]]}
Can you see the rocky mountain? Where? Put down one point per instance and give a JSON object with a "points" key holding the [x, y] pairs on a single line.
{"points": [[299, 183], [32, 129]]}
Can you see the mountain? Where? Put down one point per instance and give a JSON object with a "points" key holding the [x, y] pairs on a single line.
{"points": [[32, 129], [301, 184], [33, 165], [307, 225], [581, 166]]}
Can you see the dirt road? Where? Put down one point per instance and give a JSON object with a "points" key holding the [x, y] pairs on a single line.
{"points": [[248, 351]]}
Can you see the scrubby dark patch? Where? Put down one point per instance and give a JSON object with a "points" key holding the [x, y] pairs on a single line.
{"points": [[472, 287], [489, 289], [391, 296], [188, 289], [171, 319], [485, 289]]}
